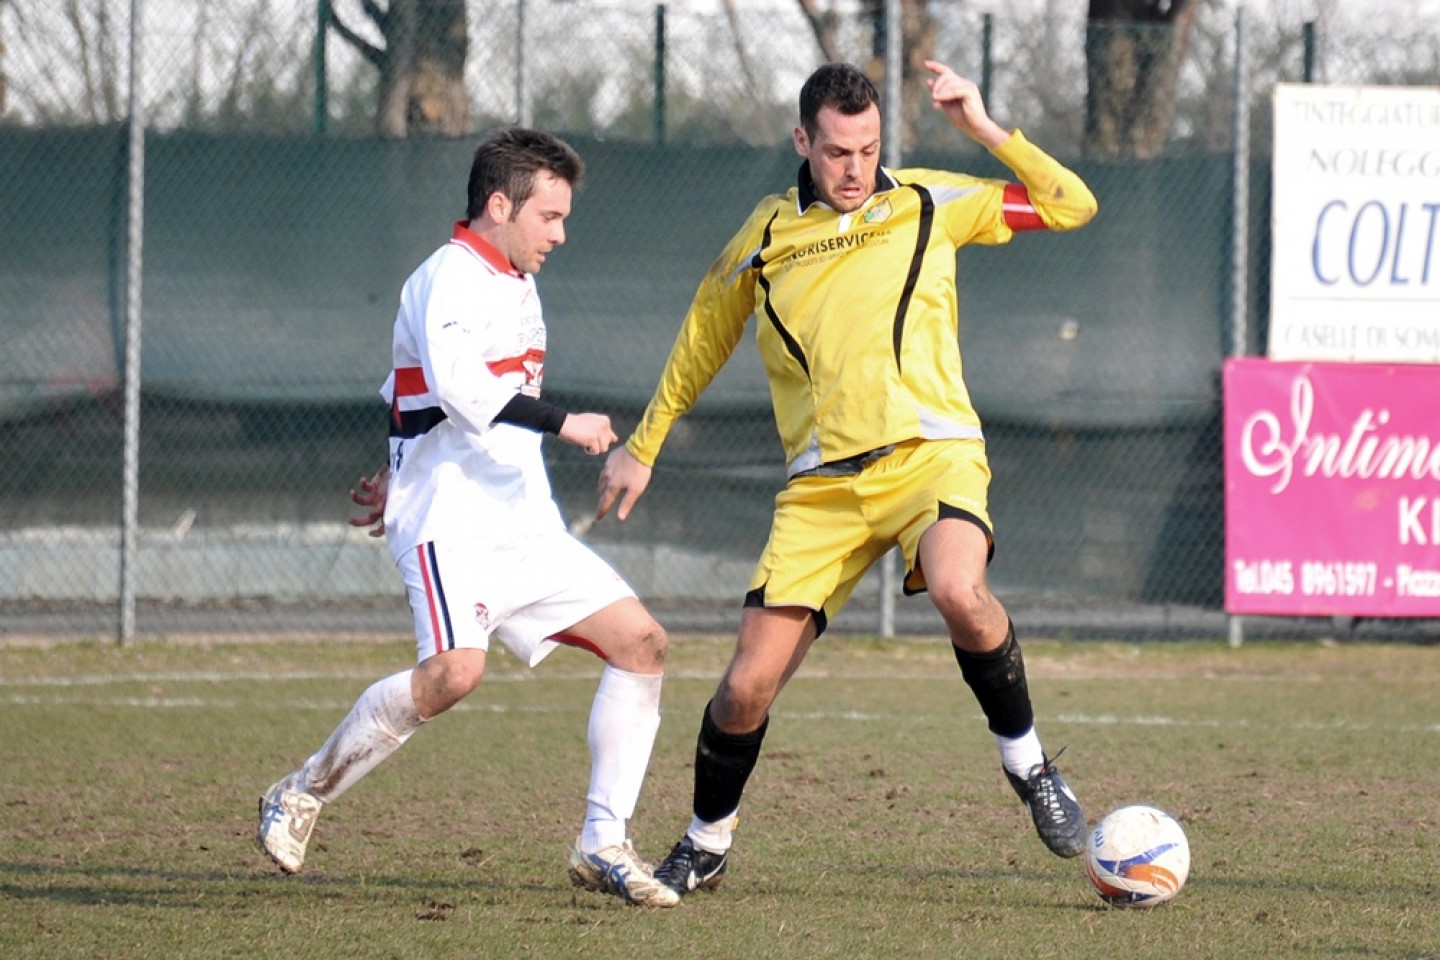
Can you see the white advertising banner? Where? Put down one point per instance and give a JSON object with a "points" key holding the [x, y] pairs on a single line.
{"points": [[1355, 229]]}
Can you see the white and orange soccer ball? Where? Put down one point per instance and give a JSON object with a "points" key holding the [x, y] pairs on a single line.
{"points": [[1138, 856]]}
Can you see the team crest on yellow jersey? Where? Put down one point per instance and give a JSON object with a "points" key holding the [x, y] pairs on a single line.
{"points": [[878, 213]]}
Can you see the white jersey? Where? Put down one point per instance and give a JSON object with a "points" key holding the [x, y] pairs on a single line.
{"points": [[468, 336]]}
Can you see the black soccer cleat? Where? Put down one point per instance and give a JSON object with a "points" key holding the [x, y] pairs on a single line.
{"points": [[1057, 814], [689, 868]]}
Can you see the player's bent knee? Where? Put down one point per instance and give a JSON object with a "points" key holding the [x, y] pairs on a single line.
{"points": [[961, 601], [739, 706], [652, 645], [643, 650], [447, 678]]}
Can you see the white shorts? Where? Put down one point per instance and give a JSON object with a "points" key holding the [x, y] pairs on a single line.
{"points": [[524, 592]]}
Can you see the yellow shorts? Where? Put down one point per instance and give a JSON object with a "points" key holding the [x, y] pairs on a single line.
{"points": [[827, 531]]}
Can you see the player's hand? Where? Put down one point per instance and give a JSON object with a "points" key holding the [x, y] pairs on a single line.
{"points": [[590, 432], [959, 99], [369, 493], [624, 477]]}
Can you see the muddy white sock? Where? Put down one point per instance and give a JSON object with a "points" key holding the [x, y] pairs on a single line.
{"points": [[382, 719]]}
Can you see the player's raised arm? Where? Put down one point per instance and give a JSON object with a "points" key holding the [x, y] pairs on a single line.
{"points": [[1054, 198], [959, 99]]}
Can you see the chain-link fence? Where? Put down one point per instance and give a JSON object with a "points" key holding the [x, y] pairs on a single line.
{"points": [[292, 180]]}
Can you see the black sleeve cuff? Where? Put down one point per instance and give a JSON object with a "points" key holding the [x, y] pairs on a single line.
{"points": [[532, 413]]}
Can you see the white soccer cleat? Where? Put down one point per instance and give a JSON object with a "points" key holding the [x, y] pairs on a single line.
{"points": [[620, 871], [287, 816]]}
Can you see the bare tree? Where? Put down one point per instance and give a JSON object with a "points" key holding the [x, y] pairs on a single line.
{"points": [[746, 70], [1133, 54], [100, 58], [421, 64], [825, 25], [63, 63], [220, 66]]}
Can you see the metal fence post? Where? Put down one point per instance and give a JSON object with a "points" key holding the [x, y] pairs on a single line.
{"points": [[135, 236], [1308, 35], [522, 88], [659, 74], [987, 62], [322, 85], [1240, 235], [893, 154]]}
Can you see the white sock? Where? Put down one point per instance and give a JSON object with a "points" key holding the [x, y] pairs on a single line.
{"points": [[624, 719], [1020, 754], [382, 719], [715, 837]]}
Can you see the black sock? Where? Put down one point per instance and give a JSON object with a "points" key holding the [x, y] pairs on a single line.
{"points": [[997, 679], [723, 762]]}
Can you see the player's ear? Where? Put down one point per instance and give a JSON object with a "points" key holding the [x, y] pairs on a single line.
{"points": [[802, 142], [498, 207]]}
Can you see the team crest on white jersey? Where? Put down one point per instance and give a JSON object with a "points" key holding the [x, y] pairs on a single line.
{"points": [[482, 616], [530, 333]]}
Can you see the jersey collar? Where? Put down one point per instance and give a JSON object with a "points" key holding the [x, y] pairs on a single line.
{"points": [[807, 198], [484, 249]]}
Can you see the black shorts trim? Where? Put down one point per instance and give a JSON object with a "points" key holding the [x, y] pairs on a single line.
{"points": [[756, 598], [947, 512]]}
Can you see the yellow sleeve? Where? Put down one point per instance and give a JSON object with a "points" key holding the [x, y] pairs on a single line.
{"points": [[1058, 194], [711, 330]]}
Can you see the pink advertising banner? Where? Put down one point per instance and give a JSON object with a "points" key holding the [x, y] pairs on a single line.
{"points": [[1332, 489]]}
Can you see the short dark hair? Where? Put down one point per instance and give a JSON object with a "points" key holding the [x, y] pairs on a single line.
{"points": [[507, 161], [842, 86]]}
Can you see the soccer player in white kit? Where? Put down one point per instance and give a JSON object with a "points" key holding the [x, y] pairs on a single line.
{"points": [[475, 531]]}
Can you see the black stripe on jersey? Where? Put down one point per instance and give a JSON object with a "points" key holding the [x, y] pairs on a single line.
{"points": [[917, 260], [409, 424], [792, 346]]}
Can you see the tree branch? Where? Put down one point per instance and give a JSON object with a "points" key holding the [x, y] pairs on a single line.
{"points": [[377, 16], [751, 87], [822, 25], [373, 54]]}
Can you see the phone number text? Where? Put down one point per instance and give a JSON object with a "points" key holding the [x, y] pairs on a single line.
{"points": [[1316, 578]]}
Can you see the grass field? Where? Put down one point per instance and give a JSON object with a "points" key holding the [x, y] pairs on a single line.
{"points": [[877, 824]]}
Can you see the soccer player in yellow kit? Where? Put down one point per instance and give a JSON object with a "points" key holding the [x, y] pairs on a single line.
{"points": [[851, 277]]}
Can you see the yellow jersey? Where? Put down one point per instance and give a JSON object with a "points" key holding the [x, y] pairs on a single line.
{"points": [[857, 313]]}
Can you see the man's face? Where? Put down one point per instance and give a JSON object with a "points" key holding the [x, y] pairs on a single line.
{"points": [[844, 156], [527, 234]]}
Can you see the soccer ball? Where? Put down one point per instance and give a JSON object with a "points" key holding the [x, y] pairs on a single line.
{"points": [[1137, 857]]}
